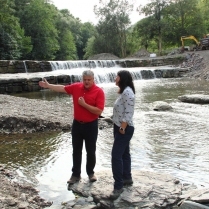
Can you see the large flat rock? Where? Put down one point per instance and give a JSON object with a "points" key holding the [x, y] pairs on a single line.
{"points": [[150, 190], [195, 98]]}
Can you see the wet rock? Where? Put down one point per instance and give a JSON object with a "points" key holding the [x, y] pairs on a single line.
{"points": [[197, 195], [161, 106], [80, 203], [107, 119], [195, 98], [150, 190], [170, 73], [192, 205], [23, 205], [11, 202], [18, 196]]}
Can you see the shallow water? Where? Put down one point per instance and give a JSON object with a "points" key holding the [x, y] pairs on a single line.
{"points": [[174, 142]]}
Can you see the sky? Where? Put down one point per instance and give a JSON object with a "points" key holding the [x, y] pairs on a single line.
{"points": [[83, 9]]}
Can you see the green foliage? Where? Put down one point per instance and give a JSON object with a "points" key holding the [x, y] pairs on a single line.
{"points": [[88, 31], [81, 32], [167, 21], [184, 19], [8, 46], [146, 30], [38, 19], [13, 43], [156, 9], [113, 23], [50, 33], [67, 50], [203, 6], [89, 49], [106, 40], [36, 29], [133, 43]]}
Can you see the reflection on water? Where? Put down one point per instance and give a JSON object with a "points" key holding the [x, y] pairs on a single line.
{"points": [[28, 152], [174, 142]]}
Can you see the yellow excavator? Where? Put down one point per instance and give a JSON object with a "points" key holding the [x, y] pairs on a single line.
{"points": [[191, 38], [200, 45]]}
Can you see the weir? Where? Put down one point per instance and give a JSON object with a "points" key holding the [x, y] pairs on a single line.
{"points": [[107, 75], [23, 76], [61, 65]]}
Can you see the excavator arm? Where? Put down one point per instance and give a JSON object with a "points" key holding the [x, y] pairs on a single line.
{"points": [[189, 37]]}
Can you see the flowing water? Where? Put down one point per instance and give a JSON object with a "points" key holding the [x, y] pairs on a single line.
{"points": [[174, 142]]}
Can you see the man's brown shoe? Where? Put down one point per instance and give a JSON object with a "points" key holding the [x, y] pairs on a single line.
{"points": [[92, 178], [73, 180]]}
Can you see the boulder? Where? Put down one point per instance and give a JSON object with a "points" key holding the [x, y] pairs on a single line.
{"points": [[195, 98], [161, 106]]}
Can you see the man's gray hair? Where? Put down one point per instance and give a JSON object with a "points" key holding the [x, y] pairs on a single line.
{"points": [[88, 73]]}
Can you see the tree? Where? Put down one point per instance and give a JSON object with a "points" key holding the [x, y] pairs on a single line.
{"points": [[184, 19], [107, 42], [155, 9], [87, 32], [203, 5], [81, 32], [113, 23], [38, 19], [13, 42], [89, 49], [67, 50], [144, 31]]}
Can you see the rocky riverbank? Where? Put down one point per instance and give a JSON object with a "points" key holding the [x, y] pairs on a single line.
{"points": [[21, 115], [150, 190], [197, 64], [18, 196]]}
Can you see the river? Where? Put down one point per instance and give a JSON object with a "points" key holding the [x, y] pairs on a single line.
{"points": [[174, 142]]}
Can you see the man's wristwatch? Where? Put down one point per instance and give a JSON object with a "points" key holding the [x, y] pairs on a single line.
{"points": [[122, 129]]}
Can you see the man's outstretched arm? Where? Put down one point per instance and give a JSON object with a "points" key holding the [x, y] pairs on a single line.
{"points": [[57, 88]]}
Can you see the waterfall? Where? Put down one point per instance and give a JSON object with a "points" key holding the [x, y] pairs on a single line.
{"points": [[102, 75], [26, 69], [105, 71], [66, 65]]}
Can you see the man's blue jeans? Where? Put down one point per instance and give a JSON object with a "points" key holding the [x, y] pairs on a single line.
{"points": [[87, 132], [121, 158]]}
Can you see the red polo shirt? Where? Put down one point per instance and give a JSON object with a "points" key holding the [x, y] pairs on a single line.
{"points": [[93, 96]]}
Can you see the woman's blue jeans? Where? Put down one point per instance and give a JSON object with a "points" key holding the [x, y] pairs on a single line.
{"points": [[87, 132], [121, 158]]}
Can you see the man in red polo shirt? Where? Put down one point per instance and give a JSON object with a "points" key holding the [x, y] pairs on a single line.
{"points": [[88, 102]]}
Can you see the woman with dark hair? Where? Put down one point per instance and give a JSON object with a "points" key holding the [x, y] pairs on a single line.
{"points": [[123, 130]]}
